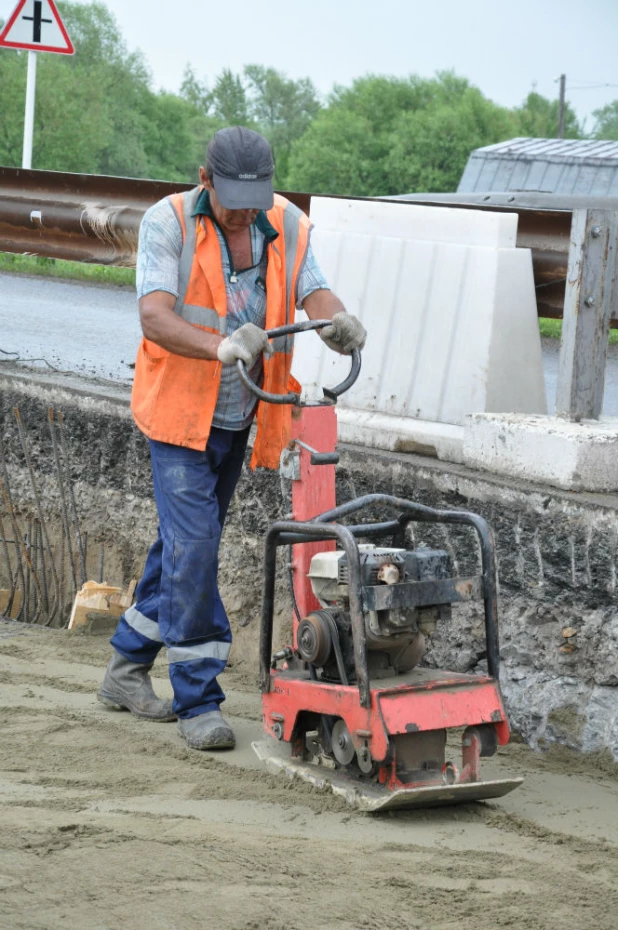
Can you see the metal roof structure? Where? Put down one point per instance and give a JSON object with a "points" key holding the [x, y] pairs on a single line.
{"points": [[559, 166]]}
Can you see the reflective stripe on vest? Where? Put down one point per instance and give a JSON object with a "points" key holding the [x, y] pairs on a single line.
{"points": [[200, 316], [291, 231]]}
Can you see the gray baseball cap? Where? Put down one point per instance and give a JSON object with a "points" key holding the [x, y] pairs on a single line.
{"points": [[242, 166]]}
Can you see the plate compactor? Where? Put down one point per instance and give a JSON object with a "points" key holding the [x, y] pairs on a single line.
{"points": [[348, 705]]}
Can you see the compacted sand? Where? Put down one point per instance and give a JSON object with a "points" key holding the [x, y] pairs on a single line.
{"points": [[109, 823]]}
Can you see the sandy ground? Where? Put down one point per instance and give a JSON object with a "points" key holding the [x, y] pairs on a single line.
{"points": [[108, 822]]}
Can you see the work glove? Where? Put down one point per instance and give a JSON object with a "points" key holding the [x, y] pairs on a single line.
{"points": [[245, 344], [344, 334]]}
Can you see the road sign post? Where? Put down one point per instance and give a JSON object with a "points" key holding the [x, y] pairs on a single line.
{"points": [[35, 26], [26, 161]]}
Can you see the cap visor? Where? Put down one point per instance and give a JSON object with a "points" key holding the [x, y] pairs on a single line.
{"points": [[244, 195]]}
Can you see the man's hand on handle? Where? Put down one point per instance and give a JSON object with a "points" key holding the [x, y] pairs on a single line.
{"points": [[344, 334], [246, 344]]}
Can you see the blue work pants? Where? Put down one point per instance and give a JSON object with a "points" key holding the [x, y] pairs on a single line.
{"points": [[177, 600]]}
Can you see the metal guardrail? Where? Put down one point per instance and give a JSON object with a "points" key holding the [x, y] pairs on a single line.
{"points": [[93, 218], [573, 240], [79, 217], [96, 219]]}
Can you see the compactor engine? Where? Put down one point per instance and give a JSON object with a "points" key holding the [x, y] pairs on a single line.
{"points": [[395, 636]]}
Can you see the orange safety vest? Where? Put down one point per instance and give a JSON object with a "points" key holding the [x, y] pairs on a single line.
{"points": [[174, 397]]}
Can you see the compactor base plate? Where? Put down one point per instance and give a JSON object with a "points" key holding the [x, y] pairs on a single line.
{"points": [[365, 796]]}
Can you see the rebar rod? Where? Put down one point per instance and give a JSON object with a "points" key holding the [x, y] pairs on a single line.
{"points": [[9, 604], [37, 499], [80, 544], [46, 607], [34, 529], [62, 580], [5, 490], [63, 500], [29, 575]]}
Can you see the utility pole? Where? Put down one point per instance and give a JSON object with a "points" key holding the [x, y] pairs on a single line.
{"points": [[561, 106]]}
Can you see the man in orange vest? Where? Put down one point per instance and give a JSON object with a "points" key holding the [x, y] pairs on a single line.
{"points": [[217, 266]]}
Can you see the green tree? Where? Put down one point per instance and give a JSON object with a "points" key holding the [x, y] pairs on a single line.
{"points": [[344, 147], [387, 135], [429, 147], [381, 99], [339, 154], [537, 118], [282, 110], [175, 137], [261, 98], [72, 120], [229, 99], [13, 84], [122, 82], [195, 91], [606, 121]]}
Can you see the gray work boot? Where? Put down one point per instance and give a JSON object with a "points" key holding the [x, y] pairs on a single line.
{"points": [[127, 686], [207, 731]]}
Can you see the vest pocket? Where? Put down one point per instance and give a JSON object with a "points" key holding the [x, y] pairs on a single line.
{"points": [[149, 376], [152, 351]]}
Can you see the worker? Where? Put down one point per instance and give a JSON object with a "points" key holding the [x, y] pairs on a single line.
{"points": [[216, 267]]}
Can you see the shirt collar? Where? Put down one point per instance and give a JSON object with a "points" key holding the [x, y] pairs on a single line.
{"points": [[261, 222]]}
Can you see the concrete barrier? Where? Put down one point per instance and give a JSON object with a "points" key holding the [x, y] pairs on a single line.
{"points": [[577, 456], [450, 308]]}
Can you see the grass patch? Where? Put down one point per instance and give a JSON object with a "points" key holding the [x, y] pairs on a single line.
{"points": [[72, 271], [550, 328], [553, 330]]}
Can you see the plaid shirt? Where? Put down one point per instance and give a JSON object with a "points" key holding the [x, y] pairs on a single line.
{"points": [[160, 245]]}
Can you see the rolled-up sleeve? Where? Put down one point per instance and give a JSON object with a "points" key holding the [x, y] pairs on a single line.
{"points": [[158, 254], [310, 277]]}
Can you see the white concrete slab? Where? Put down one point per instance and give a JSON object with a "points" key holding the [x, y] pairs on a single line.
{"points": [[402, 221], [515, 382], [574, 456], [401, 434], [449, 305]]}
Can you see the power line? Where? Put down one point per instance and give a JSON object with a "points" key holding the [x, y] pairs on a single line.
{"points": [[589, 86], [590, 81]]}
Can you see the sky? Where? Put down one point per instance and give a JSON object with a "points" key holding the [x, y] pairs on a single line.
{"points": [[505, 49]]}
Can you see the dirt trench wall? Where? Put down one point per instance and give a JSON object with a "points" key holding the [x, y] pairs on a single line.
{"points": [[111, 480], [557, 552]]}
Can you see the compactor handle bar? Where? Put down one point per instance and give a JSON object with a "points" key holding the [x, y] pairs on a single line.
{"points": [[330, 394]]}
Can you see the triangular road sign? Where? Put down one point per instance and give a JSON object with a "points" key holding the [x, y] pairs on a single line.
{"points": [[36, 25]]}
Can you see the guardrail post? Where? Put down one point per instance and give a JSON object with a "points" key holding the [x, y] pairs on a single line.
{"points": [[591, 296]]}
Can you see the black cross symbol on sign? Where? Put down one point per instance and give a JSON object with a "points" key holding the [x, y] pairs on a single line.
{"points": [[37, 19]]}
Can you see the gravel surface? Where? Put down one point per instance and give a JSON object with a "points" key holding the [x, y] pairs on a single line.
{"points": [[111, 822]]}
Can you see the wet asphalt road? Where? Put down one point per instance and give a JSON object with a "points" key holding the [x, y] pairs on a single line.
{"points": [[74, 327], [95, 331]]}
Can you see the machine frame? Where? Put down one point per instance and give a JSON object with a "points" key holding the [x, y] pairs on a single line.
{"points": [[391, 728], [420, 701]]}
